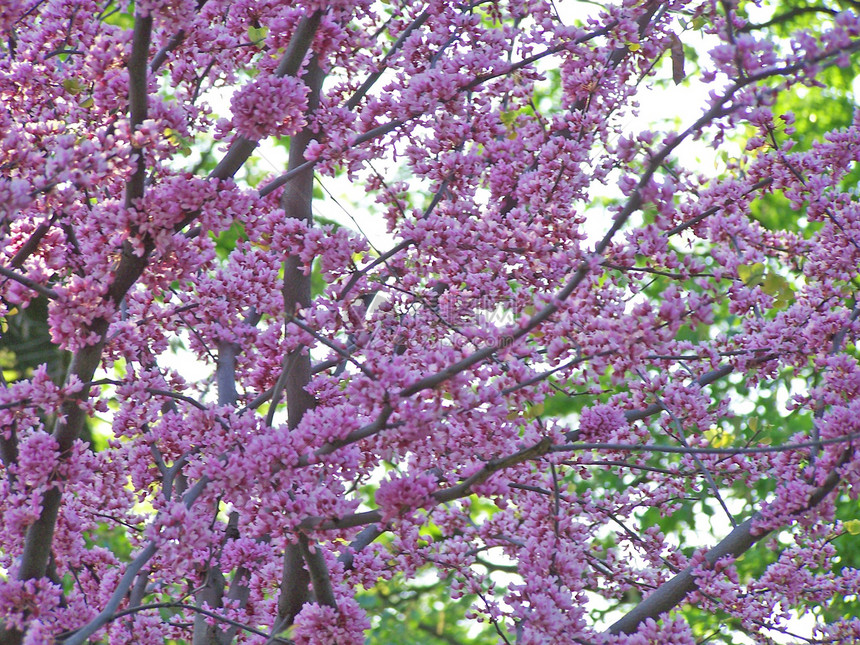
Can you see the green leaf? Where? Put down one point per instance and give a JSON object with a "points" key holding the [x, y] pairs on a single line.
{"points": [[560, 405], [773, 283], [777, 286], [534, 411], [318, 283], [257, 34], [325, 221], [119, 19], [73, 86], [751, 275], [225, 241], [719, 438]]}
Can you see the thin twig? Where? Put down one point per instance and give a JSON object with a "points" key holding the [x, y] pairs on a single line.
{"points": [[679, 450], [30, 284]]}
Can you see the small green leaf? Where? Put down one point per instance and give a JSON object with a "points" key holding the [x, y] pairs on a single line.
{"points": [[257, 34], [318, 283], [120, 19], [751, 275], [535, 411], [773, 284], [226, 240], [73, 86], [178, 141], [852, 526], [508, 118], [718, 438]]}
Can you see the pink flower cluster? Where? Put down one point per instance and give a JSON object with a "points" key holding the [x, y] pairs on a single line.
{"points": [[270, 106], [270, 427]]}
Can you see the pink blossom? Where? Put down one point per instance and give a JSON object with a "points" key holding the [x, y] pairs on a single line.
{"points": [[232, 409], [321, 625], [270, 106]]}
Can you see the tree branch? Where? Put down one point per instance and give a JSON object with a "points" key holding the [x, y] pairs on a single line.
{"points": [[211, 614], [318, 570], [127, 579], [30, 284], [297, 202], [681, 450], [290, 64], [740, 540], [29, 247], [107, 614], [37, 544], [138, 100], [787, 16]]}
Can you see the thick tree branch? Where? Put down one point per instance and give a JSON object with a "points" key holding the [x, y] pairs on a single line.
{"points": [[318, 570], [9, 450], [138, 99], [212, 591], [37, 545], [300, 43], [295, 376], [289, 65], [211, 595], [127, 580], [740, 540], [362, 540]]}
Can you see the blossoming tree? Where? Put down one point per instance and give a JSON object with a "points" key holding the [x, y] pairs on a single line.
{"points": [[588, 394]]}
